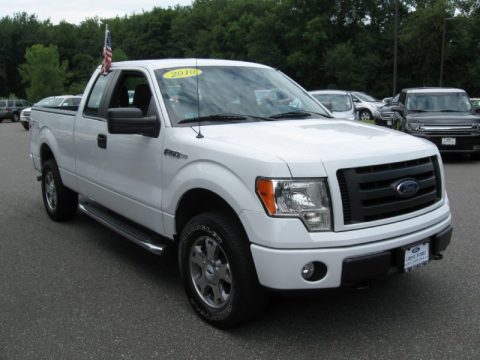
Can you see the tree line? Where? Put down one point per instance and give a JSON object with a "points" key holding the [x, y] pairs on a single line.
{"points": [[343, 44]]}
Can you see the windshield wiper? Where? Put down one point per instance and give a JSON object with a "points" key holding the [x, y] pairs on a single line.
{"points": [[449, 110], [419, 110], [223, 117], [293, 114], [215, 117]]}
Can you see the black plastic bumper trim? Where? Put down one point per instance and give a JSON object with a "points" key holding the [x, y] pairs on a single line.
{"points": [[368, 267]]}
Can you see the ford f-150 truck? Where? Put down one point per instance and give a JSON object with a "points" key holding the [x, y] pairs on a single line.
{"points": [[259, 193]]}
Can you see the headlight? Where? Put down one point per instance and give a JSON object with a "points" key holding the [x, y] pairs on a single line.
{"points": [[412, 126], [306, 199]]}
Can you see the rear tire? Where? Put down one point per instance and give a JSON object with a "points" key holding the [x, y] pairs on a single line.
{"points": [[15, 117], [60, 202], [218, 272]]}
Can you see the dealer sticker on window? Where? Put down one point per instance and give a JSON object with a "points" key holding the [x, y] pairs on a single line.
{"points": [[449, 141], [417, 256]]}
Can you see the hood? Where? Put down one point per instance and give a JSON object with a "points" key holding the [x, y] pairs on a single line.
{"points": [[443, 118], [306, 144]]}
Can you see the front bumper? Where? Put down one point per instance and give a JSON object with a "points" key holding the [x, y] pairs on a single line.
{"points": [[463, 143], [281, 268]]}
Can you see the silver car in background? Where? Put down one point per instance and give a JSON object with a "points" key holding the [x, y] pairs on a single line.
{"points": [[367, 106], [64, 101], [339, 103]]}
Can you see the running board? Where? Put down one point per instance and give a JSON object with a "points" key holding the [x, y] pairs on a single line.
{"points": [[133, 232]]}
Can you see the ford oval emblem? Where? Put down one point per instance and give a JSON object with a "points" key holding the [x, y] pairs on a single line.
{"points": [[406, 187], [416, 249]]}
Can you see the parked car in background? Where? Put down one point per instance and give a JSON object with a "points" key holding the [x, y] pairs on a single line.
{"points": [[11, 108], [339, 103], [442, 115], [366, 105], [476, 104], [386, 116], [63, 101]]}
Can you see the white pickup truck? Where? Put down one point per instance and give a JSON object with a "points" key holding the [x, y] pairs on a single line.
{"points": [[248, 174]]}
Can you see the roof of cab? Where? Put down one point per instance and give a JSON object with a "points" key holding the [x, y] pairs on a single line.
{"points": [[169, 63]]}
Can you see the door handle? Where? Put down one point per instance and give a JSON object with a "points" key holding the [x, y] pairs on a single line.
{"points": [[102, 141]]}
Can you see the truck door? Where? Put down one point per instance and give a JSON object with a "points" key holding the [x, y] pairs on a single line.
{"points": [[121, 172]]}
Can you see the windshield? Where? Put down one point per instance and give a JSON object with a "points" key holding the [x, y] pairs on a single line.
{"points": [[249, 91], [364, 97], [50, 101], [448, 102], [335, 102]]}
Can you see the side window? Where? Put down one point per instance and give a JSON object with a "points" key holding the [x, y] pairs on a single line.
{"points": [[132, 90], [93, 104]]}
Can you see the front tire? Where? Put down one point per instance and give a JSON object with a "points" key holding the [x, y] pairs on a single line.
{"points": [[218, 272], [365, 115], [25, 126], [60, 202]]}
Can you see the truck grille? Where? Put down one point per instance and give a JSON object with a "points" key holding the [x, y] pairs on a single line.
{"points": [[369, 193]]}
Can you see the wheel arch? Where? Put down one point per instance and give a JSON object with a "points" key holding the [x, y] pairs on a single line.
{"points": [[46, 153], [198, 200]]}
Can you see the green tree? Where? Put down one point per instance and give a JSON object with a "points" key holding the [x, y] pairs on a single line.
{"points": [[42, 72]]}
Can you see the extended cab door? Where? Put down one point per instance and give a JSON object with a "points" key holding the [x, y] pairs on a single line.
{"points": [[121, 172]]}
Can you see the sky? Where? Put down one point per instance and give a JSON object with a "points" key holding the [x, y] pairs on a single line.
{"points": [[75, 12]]}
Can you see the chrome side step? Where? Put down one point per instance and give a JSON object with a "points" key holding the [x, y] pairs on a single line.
{"points": [[134, 232]]}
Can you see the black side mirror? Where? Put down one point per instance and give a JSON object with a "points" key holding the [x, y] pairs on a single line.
{"points": [[396, 108], [131, 121]]}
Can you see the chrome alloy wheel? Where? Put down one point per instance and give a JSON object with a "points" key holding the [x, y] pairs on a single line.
{"points": [[210, 272], [50, 191], [365, 115]]}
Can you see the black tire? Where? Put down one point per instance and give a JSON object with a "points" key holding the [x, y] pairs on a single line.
{"points": [[1, 120], [365, 115], [229, 269], [15, 117], [60, 202], [25, 126]]}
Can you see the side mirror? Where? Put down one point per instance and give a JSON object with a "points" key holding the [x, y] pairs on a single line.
{"points": [[396, 108], [131, 121]]}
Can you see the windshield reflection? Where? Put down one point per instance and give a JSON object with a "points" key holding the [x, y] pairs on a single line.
{"points": [[249, 91], [452, 102]]}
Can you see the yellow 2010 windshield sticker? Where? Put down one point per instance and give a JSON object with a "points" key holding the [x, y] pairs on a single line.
{"points": [[182, 73]]}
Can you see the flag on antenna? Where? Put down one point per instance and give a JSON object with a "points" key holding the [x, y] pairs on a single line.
{"points": [[107, 52]]}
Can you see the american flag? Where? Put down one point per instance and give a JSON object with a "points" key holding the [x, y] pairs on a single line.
{"points": [[107, 53]]}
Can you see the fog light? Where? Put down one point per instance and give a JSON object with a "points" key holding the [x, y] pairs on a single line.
{"points": [[308, 270]]}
